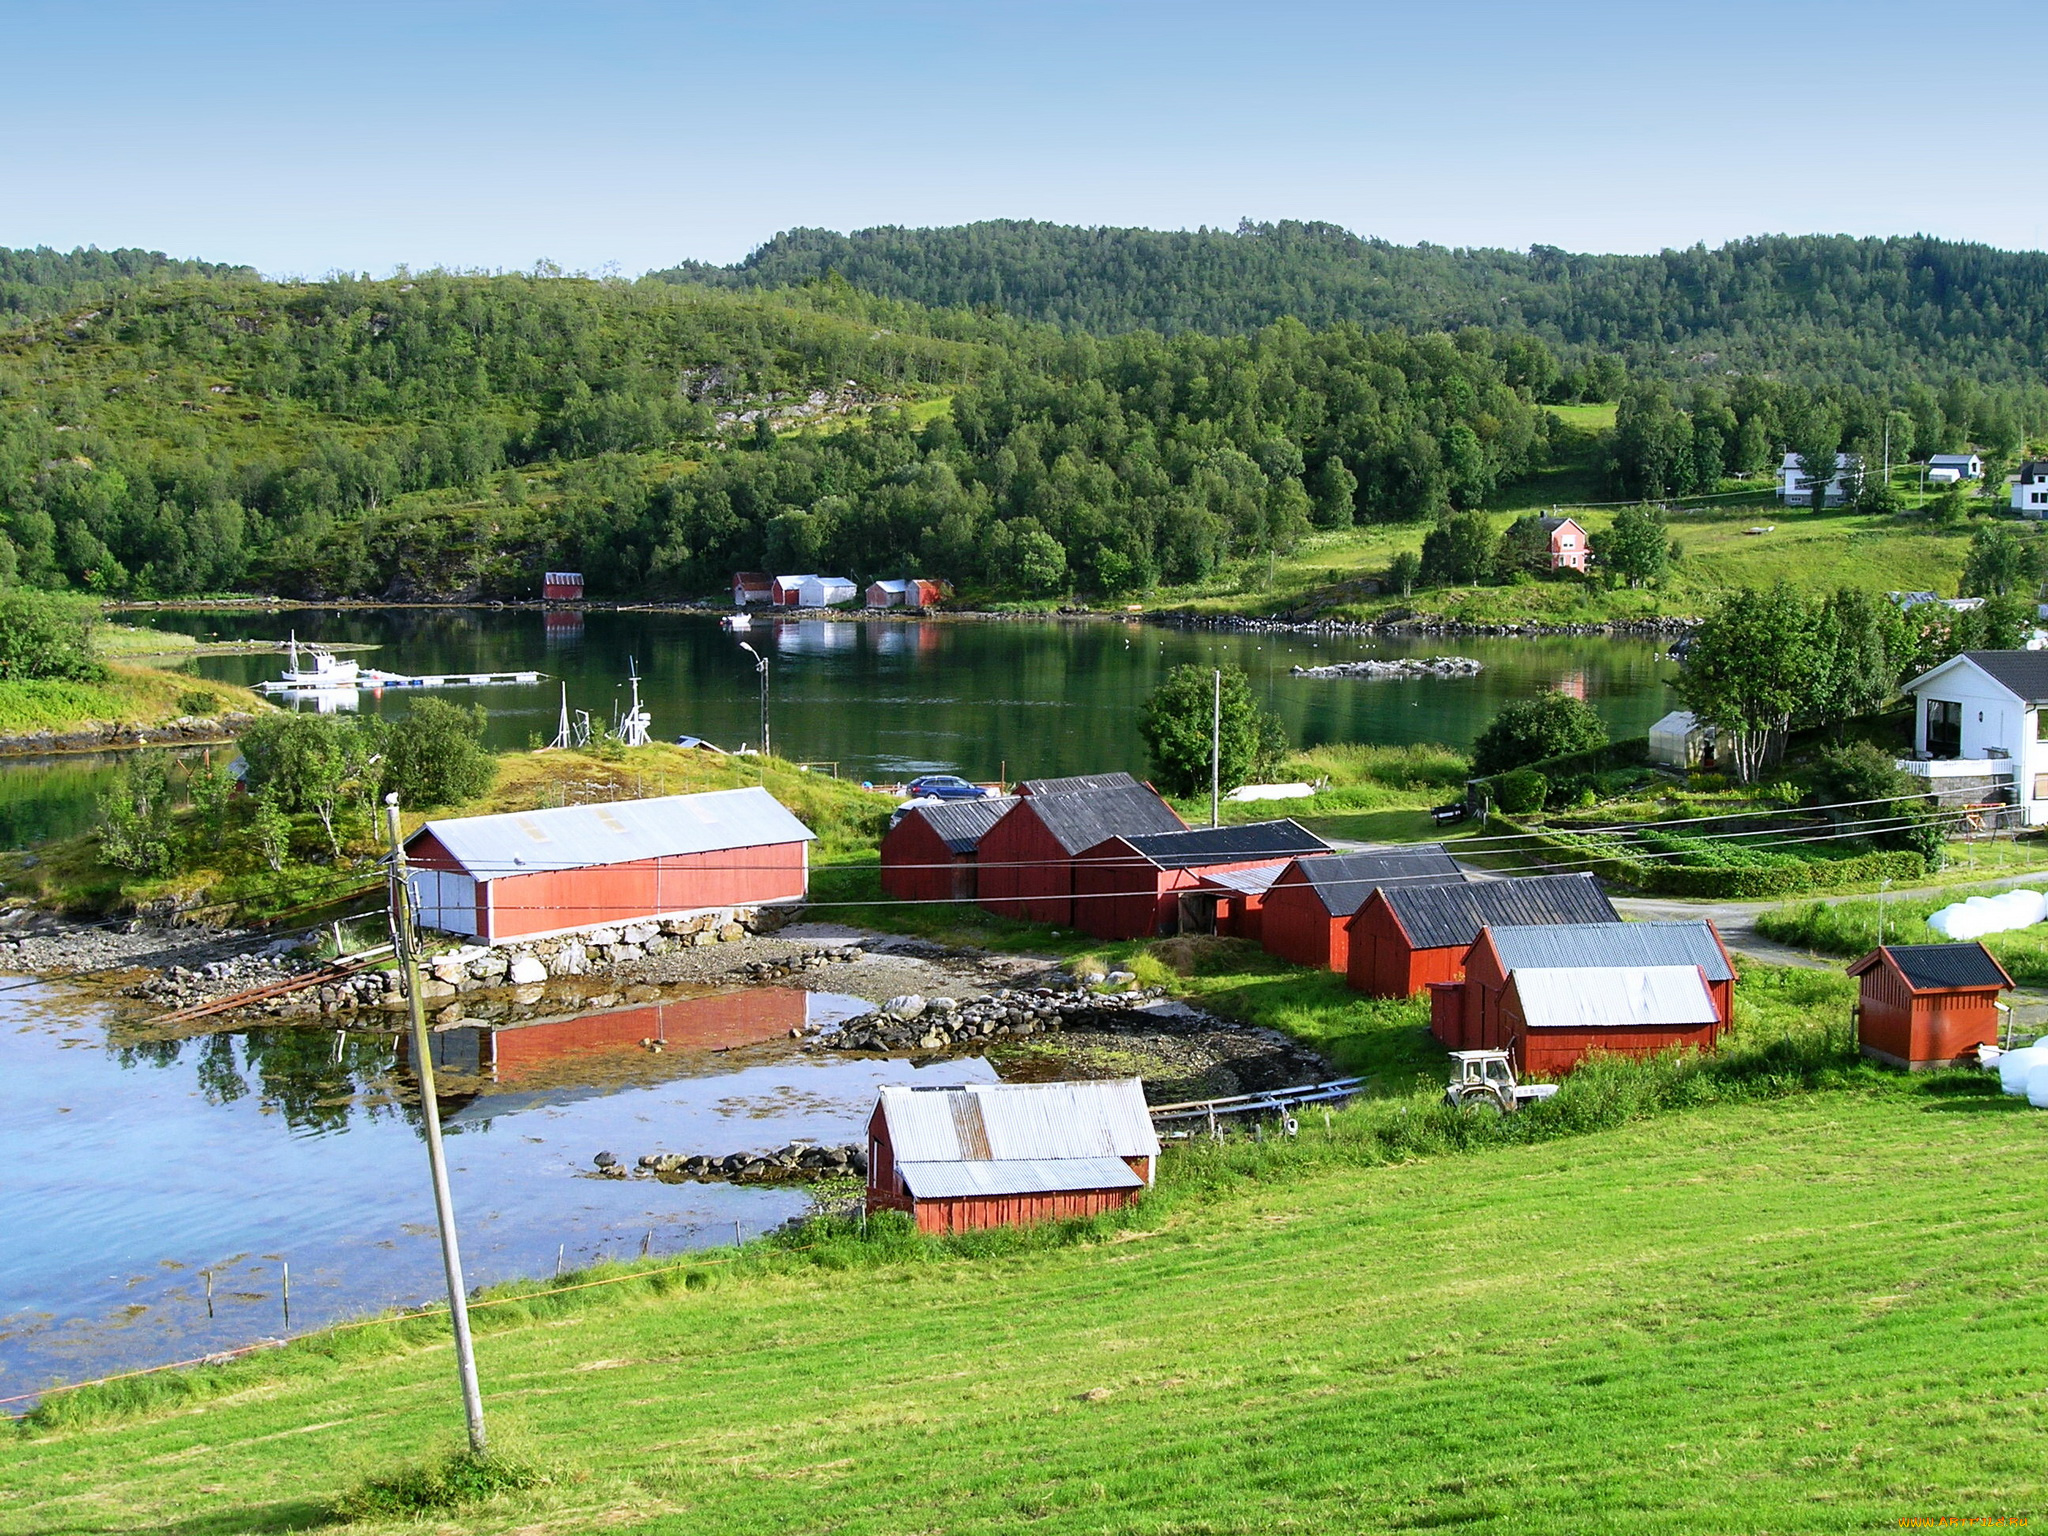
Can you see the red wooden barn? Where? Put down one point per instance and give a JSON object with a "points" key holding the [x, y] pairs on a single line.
{"points": [[1585, 947], [1407, 937], [751, 587], [1080, 783], [1026, 863], [531, 873], [561, 587], [787, 591], [1551, 1019], [1927, 1005], [1142, 884], [1307, 909], [932, 851], [1009, 1154], [1237, 898]]}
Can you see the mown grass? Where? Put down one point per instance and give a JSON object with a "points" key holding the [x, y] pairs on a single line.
{"points": [[1768, 1311], [1852, 928]]}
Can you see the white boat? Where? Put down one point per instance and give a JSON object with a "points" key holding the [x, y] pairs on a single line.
{"points": [[327, 670], [737, 621]]}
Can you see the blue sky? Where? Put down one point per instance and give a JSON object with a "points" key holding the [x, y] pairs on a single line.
{"points": [[307, 138]]}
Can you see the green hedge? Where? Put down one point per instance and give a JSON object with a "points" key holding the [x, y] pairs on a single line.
{"points": [[1632, 753], [1747, 874]]}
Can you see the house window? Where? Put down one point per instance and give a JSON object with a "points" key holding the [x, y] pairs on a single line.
{"points": [[1944, 728], [2041, 786]]}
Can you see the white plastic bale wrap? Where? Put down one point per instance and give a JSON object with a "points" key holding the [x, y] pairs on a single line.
{"points": [[2013, 1068], [1980, 915], [2037, 1083]]}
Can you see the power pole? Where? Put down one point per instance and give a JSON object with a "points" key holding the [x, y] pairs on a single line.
{"points": [[407, 944], [760, 666], [1216, 753]]}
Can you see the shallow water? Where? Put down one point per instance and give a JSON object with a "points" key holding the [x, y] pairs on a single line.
{"points": [[135, 1165], [885, 700]]}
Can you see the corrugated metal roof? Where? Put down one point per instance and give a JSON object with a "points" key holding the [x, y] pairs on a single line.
{"points": [[1080, 782], [578, 836], [1282, 839], [1005, 1122], [1444, 916], [1572, 998], [1081, 821], [1589, 946], [1344, 881], [1016, 1176], [962, 823], [1255, 881], [1935, 966]]}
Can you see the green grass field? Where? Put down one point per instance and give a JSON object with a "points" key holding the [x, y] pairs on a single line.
{"points": [[131, 696], [1852, 928], [1809, 1315]]}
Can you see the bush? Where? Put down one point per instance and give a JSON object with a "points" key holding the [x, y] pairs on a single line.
{"points": [[1521, 792], [47, 637], [1176, 724], [136, 827], [434, 755], [459, 1479], [1530, 730]]}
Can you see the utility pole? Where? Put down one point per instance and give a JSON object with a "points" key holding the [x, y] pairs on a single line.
{"points": [[1216, 752], [760, 666], [407, 945]]}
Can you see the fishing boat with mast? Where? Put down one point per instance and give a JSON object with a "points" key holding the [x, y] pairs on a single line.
{"points": [[324, 670]]}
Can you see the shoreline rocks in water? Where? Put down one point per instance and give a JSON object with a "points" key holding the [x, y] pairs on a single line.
{"points": [[1408, 624], [799, 1162], [934, 1024], [1403, 667]]}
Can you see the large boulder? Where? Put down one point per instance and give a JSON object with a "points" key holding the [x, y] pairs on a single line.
{"points": [[906, 1005], [639, 933], [526, 970], [570, 960]]}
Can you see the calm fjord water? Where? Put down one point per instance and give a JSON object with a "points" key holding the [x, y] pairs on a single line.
{"points": [[889, 699]]}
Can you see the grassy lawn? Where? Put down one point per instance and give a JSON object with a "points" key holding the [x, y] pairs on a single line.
{"points": [[1851, 928], [1802, 1315]]}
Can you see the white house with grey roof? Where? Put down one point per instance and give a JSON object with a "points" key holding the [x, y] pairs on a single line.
{"points": [[1980, 730]]}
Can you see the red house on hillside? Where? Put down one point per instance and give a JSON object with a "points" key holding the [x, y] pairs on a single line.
{"points": [[1306, 909], [527, 874], [1569, 546], [1142, 884], [1408, 937], [1026, 860], [1927, 1005], [1467, 1016], [932, 853]]}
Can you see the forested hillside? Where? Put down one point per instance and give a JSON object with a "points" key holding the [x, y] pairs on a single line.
{"points": [[1818, 308], [41, 281]]}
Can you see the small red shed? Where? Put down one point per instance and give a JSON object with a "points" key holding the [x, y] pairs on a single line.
{"points": [[1306, 912], [561, 587], [1924, 1006], [1140, 884], [1552, 1019], [1584, 948], [751, 587], [1238, 897], [788, 591], [931, 853], [1407, 937], [1009, 1154], [1025, 867], [527, 874]]}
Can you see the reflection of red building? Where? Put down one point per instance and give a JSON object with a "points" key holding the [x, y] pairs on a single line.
{"points": [[563, 625], [691, 1024]]}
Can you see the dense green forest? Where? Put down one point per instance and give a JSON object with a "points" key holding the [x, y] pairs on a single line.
{"points": [[1815, 308], [170, 428]]}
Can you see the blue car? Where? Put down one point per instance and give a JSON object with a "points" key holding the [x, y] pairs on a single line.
{"points": [[944, 786]]}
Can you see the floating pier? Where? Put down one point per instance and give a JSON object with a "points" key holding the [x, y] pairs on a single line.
{"points": [[372, 680]]}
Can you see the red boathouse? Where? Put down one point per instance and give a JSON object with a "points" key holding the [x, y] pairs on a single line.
{"points": [[1925, 1006], [1306, 911], [1581, 947], [1026, 861], [1140, 885], [1408, 937], [932, 853]]}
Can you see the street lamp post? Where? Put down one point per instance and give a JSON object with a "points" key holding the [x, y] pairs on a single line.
{"points": [[760, 666]]}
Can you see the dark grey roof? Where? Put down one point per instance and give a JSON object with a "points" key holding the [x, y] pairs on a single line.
{"points": [[1228, 845], [2032, 470], [1947, 965], [1597, 945], [961, 823], [1081, 821], [1079, 783], [2024, 672], [1343, 881], [1444, 916], [1552, 524]]}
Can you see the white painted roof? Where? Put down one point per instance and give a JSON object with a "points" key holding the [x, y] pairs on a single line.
{"points": [[579, 836], [1255, 881], [1016, 1176], [1018, 1122], [1614, 996]]}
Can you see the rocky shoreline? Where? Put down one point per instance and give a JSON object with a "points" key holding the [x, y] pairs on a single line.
{"points": [[1405, 667], [1411, 625], [186, 730]]}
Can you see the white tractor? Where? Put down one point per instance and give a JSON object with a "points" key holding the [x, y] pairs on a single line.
{"points": [[1485, 1081]]}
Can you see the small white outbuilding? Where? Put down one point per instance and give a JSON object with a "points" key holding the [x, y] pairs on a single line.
{"points": [[1680, 741]]}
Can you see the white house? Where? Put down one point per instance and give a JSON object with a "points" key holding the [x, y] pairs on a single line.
{"points": [[2030, 490], [1980, 730], [1794, 490], [1967, 466], [825, 591]]}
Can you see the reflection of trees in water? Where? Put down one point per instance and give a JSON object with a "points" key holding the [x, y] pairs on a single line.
{"points": [[314, 1078]]}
